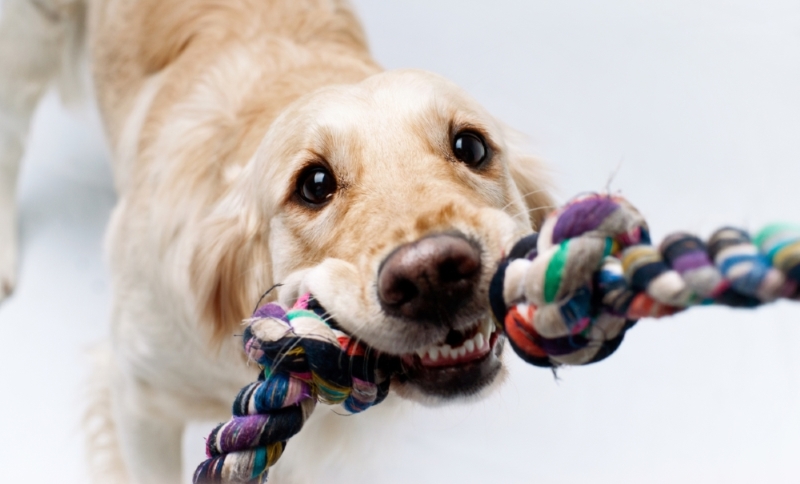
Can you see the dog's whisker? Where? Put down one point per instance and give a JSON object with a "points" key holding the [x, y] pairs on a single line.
{"points": [[265, 294], [283, 352], [367, 351], [533, 192], [535, 209]]}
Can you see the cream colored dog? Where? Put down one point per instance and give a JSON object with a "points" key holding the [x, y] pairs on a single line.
{"points": [[256, 142]]}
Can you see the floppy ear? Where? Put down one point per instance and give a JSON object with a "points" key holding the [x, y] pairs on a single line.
{"points": [[531, 176], [229, 269]]}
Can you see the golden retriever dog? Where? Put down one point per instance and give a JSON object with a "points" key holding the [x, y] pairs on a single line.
{"points": [[257, 142]]}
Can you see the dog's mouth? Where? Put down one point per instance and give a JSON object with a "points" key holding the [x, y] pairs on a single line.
{"points": [[449, 358], [462, 364], [458, 347]]}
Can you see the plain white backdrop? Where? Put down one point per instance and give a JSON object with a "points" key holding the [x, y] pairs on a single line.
{"points": [[695, 105]]}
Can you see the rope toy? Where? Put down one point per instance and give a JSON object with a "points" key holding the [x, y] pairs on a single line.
{"points": [[564, 296], [567, 295], [304, 359]]}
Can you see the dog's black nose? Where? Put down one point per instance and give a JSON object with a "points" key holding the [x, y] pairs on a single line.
{"points": [[428, 280]]}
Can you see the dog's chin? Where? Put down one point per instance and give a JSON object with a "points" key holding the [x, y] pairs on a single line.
{"points": [[466, 368]]}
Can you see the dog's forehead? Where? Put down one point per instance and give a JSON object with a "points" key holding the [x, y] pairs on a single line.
{"points": [[392, 101]]}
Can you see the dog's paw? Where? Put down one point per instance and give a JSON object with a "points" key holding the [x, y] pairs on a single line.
{"points": [[8, 268], [7, 286]]}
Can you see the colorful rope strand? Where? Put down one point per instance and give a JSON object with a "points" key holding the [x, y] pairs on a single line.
{"points": [[567, 295], [303, 360]]}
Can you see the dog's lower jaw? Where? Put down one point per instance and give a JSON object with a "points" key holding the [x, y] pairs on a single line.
{"points": [[464, 383]]}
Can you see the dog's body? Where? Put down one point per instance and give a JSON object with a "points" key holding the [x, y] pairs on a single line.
{"points": [[213, 110]]}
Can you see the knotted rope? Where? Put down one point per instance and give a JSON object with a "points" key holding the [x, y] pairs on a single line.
{"points": [[567, 295], [303, 360], [564, 296]]}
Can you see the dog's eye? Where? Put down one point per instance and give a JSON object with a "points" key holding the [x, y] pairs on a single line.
{"points": [[470, 148], [316, 185]]}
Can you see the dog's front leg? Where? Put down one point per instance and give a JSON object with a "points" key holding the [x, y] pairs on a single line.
{"points": [[9, 167], [33, 37]]}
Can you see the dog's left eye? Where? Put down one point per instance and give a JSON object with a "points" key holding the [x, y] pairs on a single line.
{"points": [[316, 185], [470, 148]]}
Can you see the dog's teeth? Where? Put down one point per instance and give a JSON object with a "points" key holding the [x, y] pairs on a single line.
{"points": [[487, 324], [433, 354], [462, 351], [470, 345], [453, 353], [486, 328], [479, 340]]}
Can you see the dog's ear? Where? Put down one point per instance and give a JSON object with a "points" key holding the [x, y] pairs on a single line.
{"points": [[532, 178], [229, 266]]}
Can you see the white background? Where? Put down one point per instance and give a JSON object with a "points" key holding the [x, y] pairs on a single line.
{"points": [[697, 101]]}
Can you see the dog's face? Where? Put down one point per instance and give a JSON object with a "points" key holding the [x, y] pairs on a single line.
{"points": [[392, 201]]}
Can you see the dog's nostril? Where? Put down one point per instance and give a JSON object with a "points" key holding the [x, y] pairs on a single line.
{"points": [[430, 278], [458, 267], [400, 292]]}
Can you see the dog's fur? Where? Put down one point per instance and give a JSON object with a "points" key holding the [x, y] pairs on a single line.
{"points": [[212, 107]]}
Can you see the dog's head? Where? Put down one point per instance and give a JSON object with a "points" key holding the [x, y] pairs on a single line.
{"points": [[392, 201]]}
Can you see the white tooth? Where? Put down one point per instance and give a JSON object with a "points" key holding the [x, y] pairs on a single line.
{"points": [[479, 341], [470, 345], [433, 354], [487, 328], [421, 353], [462, 351], [454, 354]]}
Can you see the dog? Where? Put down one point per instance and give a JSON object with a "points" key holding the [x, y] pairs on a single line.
{"points": [[257, 142]]}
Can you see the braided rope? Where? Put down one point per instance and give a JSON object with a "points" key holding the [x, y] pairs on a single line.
{"points": [[567, 295], [564, 296], [304, 360]]}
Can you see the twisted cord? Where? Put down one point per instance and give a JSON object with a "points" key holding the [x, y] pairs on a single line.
{"points": [[303, 360], [567, 295]]}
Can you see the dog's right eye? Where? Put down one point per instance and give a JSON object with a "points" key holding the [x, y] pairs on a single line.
{"points": [[470, 148], [316, 185]]}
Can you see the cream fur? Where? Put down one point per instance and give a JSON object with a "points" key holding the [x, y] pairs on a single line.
{"points": [[211, 108]]}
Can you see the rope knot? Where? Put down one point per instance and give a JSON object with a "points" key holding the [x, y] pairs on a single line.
{"points": [[303, 360], [568, 294]]}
